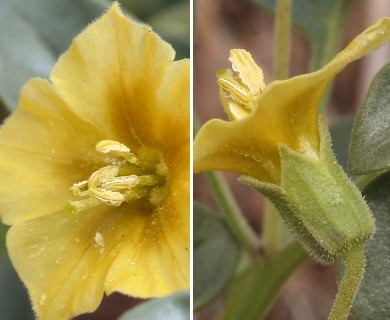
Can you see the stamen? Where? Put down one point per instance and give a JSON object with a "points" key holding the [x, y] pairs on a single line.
{"points": [[107, 146], [113, 198], [107, 185], [119, 150], [248, 71], [121, 183], [240, 88], [102, 175]]}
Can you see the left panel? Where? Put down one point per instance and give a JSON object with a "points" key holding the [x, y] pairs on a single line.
{"points": [[95, 159]]}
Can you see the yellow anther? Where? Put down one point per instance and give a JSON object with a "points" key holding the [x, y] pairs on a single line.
{"points": [[118, 149], [113, 198], [233, 89], [111, 146], [121, 183], [240, 87], [250, 74], [102, 175], [116, 183]]}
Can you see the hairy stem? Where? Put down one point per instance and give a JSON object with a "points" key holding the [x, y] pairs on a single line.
{"points": [[282, 39], [272, 229], [354, 269]]}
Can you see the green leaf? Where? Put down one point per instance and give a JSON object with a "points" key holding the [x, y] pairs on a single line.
{"points": [[14, 301], [174, 307], [216, 254], [321, 21], [370, 142], [341, 136], [169, 18], [372, 300], [143, 9], [3, 231], [173, 25], [33, 34]]}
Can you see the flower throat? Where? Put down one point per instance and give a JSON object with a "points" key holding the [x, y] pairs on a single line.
{"points": [[127, 178]]}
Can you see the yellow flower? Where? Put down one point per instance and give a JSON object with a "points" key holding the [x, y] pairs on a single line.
{"points": [[276, 140], [95, 172], [284, 112]]}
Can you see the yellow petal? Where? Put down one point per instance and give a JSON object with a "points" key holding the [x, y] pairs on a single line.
{"points": [[117, 82], [168, 124], [155, 261], [66, 262], [40, 142], [158, 263], [59, 259], [112, 74], [286, 113]]}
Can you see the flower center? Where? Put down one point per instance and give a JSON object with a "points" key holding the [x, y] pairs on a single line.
{"points": [[126, 178], [240, 87]]}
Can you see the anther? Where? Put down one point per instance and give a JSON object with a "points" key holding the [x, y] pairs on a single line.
{"points": [[116, 183], [240, 87], [119, 150]]}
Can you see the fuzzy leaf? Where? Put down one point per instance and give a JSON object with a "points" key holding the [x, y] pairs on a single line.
{"points": [[3, 231], [173, 25], [370, 143], [14, 302], [341, 135], [372, 300], [215, 255], [33, 34], [144, 9], [174, 307]]}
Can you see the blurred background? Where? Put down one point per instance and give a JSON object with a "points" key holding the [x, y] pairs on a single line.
{"points": [[32, 36], [221, 25]]}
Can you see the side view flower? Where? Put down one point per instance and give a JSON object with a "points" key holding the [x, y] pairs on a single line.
{"points": [[277, 141], [95, 172], [283, 112]]}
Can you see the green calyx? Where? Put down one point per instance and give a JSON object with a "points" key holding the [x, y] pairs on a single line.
{"points": [[319, 203]]}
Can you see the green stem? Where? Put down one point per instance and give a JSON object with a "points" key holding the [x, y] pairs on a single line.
{"points": [[272, 229], [354, 270], [254, 291], [233, 214], [332, 43], [282, 39]]}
